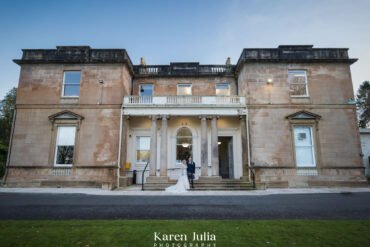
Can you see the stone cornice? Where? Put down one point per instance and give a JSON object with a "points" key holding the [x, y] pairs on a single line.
{"points": [[294, 54], [75, 55]]}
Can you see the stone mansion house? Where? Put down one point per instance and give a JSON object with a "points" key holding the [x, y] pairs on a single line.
{"points": [[279, 117]]}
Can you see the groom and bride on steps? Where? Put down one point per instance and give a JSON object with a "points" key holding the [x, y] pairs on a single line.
{"points": [[186, 179]]}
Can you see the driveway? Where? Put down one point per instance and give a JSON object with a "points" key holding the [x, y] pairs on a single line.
{"points": [[347, 205]]}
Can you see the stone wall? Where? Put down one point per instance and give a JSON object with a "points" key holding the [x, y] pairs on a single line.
{"points": [[42, 84], [39, 96], [200, 86], [272, 149]]}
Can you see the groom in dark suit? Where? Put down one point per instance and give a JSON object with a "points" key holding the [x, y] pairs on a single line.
{"points": [[191, 170]]}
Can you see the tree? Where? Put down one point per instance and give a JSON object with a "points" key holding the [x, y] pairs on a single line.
{"points": [[363, 104], [7, 106]]}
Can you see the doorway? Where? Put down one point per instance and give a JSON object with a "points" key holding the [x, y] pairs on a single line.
{"points": [[225, 156]]}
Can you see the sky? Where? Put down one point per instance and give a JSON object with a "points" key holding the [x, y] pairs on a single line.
{"points": [[164, 31]]}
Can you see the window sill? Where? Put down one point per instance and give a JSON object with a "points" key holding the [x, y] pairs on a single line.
{"points": [[62, 166], [300, 96], [69, 100]]}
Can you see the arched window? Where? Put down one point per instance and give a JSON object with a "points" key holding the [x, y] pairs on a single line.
{"points": [[184, 144]]}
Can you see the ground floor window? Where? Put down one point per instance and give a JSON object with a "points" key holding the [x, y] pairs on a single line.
{"points": [[142, 148], [304, 146], [184, 144], [65, 145]]}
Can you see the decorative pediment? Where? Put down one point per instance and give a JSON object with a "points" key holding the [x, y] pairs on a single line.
{"points": [[303, 115], [65, 115]]}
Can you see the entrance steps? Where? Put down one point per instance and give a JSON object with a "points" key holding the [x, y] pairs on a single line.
{"points": [[223, 184]]}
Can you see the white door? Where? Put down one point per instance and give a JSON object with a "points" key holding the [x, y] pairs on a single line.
{"points": [[304, 146]]}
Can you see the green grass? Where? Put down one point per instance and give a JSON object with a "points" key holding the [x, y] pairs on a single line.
{"points": [[133, 233]]}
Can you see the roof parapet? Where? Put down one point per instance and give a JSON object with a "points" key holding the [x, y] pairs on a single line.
{"points": [[74, 55], [294, 54]]}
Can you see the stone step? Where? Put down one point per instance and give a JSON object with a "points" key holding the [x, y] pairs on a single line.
{"points": [[222, 188], [225, 184], [222, 182]]}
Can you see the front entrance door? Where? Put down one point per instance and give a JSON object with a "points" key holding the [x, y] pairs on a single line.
{"points": [[225, 152]]}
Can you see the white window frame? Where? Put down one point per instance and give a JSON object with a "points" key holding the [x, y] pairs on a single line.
{"points": [[228, 89], [63, 86], [56, 146], [306, 79], [135, 151], [183, 84], [145, 84], [314, 165]]}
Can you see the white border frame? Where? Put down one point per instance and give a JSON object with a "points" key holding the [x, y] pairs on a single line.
{"points": [[224, 83], [177, 89], [56, 147], [63, 84], [307, 95], [314, 165], [140, 84]]}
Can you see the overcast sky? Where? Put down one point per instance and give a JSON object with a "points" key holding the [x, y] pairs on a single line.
{"points": [[205, 31]]}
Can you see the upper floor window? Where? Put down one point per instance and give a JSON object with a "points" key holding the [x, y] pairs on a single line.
{"points": [[297, 80], [65, 145], [71, 83], [146, 90], [184, 89], [223, 89]]}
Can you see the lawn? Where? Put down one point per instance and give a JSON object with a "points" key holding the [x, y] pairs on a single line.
{"points": [[133, 233]]}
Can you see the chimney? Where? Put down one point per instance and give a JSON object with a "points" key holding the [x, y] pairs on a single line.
{"points": [[228, 61], [142, 61]]}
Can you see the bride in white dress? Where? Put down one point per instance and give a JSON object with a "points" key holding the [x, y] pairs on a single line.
{"points": [[182, 184]]}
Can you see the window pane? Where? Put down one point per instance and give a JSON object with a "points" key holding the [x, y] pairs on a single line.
{"points": [[298, 89], [71, 90], [223, 89], [181, 140], [72, 77], [184, 89], [302, 136], [64, 155], [66, 136], [142, 155], [297, 80], [146, 90], [143, 143], [304, 156]]}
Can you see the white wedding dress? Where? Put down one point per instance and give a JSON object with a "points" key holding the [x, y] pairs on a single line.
{"points": [[182, 184]]}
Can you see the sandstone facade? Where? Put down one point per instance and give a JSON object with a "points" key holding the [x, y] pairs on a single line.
{"points": [[253, 124]]}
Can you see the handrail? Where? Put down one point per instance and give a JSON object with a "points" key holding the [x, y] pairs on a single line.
{"points": [[142, 176], [253, 176]]}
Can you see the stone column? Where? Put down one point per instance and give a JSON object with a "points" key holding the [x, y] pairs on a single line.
{"points": [[214, 147], [204, 146], [164, 147], [243, 131], [153, 147]]}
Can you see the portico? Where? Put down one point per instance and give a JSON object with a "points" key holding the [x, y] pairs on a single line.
{"points": [[204, 118]]}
